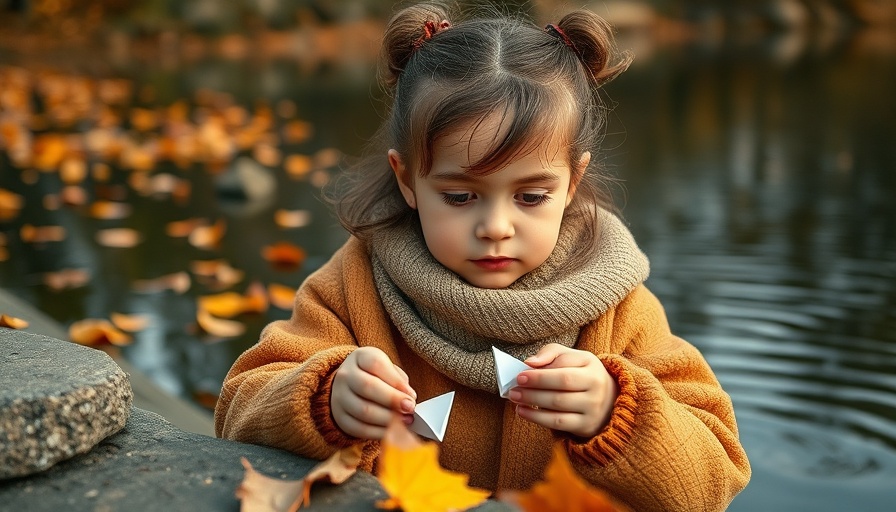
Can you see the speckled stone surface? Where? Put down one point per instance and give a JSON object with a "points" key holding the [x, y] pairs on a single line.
{"points": [[57, 400]]}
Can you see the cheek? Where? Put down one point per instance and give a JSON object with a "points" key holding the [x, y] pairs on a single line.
{"points": [[443, 234]]}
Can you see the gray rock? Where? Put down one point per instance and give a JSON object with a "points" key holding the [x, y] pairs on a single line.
{"points": [[57, 400]]}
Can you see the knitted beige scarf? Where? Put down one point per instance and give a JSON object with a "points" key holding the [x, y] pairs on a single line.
{"points": [[453, 325]]}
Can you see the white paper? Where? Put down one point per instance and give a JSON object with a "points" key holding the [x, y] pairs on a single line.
{"points": [[431, 416], [507, 368]]}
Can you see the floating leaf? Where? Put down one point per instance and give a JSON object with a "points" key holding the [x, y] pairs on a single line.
{"points": [[207, 237], [13, 322], [10, 204], [129, 323], [281, 296], [260, 493], [66, 278], [179, 282], [284, 255], [292, 218], [73, 195], [218, 326], [297, 166], [336, 469], [118, 237], [110, 210], [42, 234], [410, 473], [562, 490], [225, 305], [182, 228], [93, 332], [73, 170], [216, 273]]}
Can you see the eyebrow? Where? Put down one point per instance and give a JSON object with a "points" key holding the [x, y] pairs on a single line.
{"points": [[540, 177]]}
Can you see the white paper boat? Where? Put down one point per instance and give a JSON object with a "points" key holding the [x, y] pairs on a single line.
{"points": [[431, 416], [507, 368]]}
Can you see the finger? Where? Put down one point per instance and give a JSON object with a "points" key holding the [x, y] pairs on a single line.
{"points": [[558, 379], [407, 388], [546, 355], [562, 421], [374, 389], [376, 362], [560, 401], [366, 411], [353, 427]]}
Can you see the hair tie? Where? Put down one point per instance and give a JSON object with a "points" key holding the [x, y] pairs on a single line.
{"points": [[558, 32], [430, 29]]}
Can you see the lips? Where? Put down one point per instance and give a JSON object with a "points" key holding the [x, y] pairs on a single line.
{"points": [[498, 263]]}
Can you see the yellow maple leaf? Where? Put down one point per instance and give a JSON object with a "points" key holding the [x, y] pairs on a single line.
{"points": [[409, 472], [562, 490]]}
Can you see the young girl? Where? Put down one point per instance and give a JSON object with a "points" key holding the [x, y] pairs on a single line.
{"points": [[475, 225]]}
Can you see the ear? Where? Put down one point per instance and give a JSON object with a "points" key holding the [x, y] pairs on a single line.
{"points": [[404, 178], [575, 177]]}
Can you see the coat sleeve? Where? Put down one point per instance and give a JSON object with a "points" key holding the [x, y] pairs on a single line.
{"points": [[277, 393], [672, 441]]}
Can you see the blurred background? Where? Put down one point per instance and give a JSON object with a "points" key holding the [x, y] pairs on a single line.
{"points": [[161, 165]]}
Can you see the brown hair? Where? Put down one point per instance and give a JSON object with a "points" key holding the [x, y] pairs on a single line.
{"points": [[445, 74]]}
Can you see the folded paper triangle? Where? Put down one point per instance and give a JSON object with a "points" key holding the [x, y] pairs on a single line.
{"points": [[507, 368], [431, 416]]}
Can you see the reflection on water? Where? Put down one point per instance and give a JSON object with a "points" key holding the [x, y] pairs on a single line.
{"points": [[762, 191], [758, 177]]}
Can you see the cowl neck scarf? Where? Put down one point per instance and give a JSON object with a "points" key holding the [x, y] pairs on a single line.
{"points": [[452, 324]]}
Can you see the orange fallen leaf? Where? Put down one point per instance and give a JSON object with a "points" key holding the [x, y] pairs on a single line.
{"points": [[255, 300], [292, 218], [110, 210], [93, 332], [218, 326], [281, 296], [13, 322], [73, 195], [562, 490], [42, 234], [225, 305], [66, 278], [118, 237], [178, 282], [216, 273], [129, 323], [207, 237], [409, 472], [10, 204], [336, 469], [73, 170], [284, 255], [297, 131], [260, 493], [297, 166], [182, 228]]}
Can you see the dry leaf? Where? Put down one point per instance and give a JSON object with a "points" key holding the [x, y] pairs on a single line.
{"points": [[409, 471], [296, 131], [260, 493], [292, 218], [118, 237], [130, 323], [255, 300], [225, 305], [179, 282], [110, 210], [73, 195], [216, 273], [42, 234], [281, 296], [93, 332], [182, 228], [66, 278], [13, 322], [284, 255], [207, 237], [562, 490], [218, 326], [336, 469], [10, 204]]}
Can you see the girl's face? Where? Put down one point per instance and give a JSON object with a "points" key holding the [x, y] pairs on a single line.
{"points": [[490, 230]]}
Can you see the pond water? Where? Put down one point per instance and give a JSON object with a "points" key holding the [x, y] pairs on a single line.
{"points": [[758, 175]]}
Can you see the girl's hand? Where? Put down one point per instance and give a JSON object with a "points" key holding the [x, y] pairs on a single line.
{"points": [[367, 390], [567, 389]]}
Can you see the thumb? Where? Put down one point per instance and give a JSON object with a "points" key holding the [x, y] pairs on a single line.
{"points": [[546, 355]]}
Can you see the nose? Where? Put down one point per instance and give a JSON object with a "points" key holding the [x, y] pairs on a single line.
{"points": [[495, 223]]}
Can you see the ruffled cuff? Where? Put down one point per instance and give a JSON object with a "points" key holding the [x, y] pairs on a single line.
{"points": [[609, 443], [322, 414]]}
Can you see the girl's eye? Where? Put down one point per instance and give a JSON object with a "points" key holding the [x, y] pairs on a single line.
{"points": [[457, 199], [532, 199]]}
